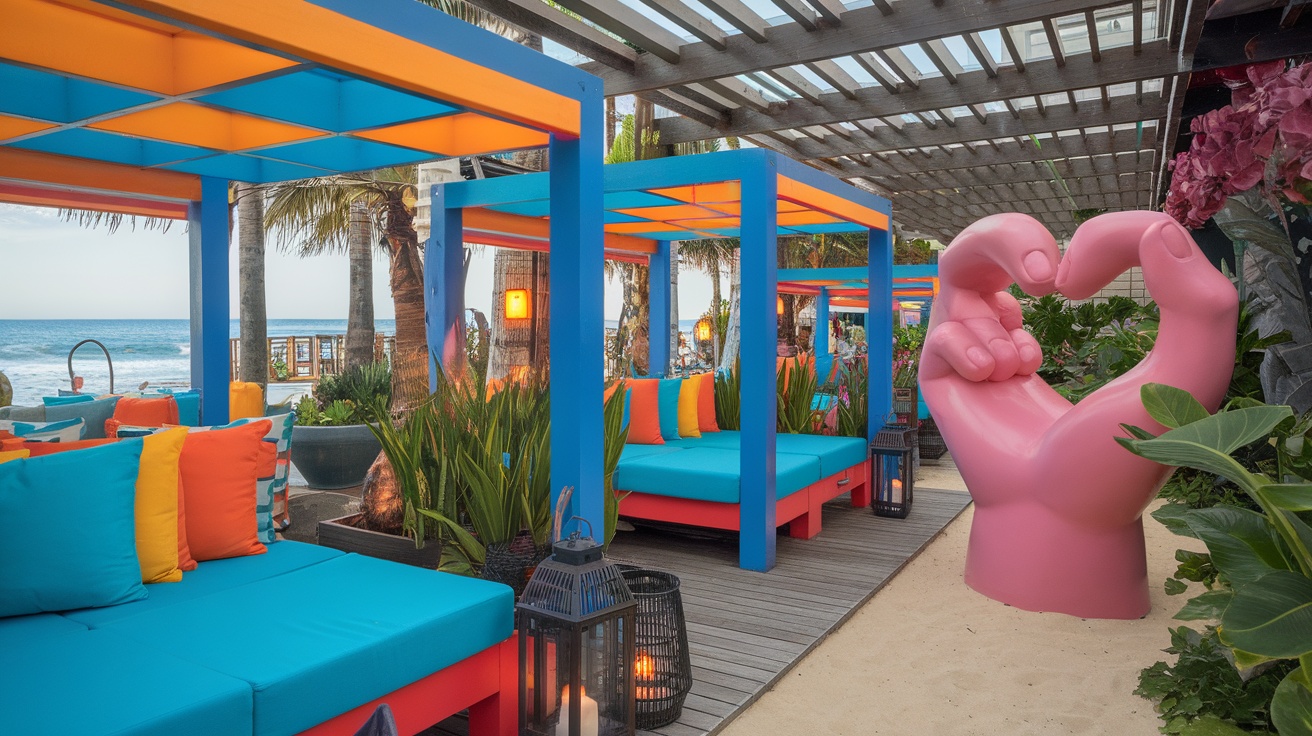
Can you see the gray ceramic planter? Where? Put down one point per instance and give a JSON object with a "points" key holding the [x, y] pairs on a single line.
{"points": [[330, 458]]}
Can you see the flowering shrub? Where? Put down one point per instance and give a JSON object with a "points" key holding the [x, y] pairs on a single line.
{"points": [[1264, 137]]}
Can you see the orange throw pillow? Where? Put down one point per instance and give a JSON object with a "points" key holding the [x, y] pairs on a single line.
{"points": [[139, 412], [186, 562], [38, 449], [219, 471], [706, 405], [644, 412]]}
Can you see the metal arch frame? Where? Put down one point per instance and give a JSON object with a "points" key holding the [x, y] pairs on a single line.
{"points": [[577, 302]]}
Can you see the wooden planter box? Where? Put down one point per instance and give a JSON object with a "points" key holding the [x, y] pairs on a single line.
{"points": [[340, 533]]}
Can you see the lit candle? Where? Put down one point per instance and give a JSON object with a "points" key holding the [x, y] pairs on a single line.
{"points": [[589, 721], [897, 491]]}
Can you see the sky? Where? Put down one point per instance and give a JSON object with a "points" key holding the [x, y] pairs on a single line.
{"points": [[52, 269]]}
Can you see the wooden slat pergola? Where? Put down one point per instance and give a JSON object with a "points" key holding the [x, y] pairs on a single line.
{"points": [[954, 109]]}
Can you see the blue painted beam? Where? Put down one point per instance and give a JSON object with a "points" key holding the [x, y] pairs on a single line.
{"points": [[759, 334], [857, 274], [800, 172], [658, 311], [824, 360], [444, 284], [879, 329], [207, 233], [576, 316]]}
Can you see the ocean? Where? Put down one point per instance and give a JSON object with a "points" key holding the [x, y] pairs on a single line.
{"points": [[34, 353]]}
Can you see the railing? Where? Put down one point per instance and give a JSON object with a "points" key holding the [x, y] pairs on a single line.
{"points": [[307, 357]]}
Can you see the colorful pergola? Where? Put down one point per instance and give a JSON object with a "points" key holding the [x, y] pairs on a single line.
{"points": [[150, 107], [754, 195]]}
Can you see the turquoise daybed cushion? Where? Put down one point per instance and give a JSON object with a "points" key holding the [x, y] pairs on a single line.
{"points": [[214, 576], [634, 452], [371, 627], [14, 629], [836, 454], [708, 474], [71, 680]]}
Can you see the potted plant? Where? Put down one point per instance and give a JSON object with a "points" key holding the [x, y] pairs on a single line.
{"points": [[332, 446]]}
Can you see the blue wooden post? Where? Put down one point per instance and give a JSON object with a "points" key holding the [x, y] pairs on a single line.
{"points": [[576, 315], [823, 360], [207, 232], [444, 282], [879, 328], [759, 334], [658, 311]]}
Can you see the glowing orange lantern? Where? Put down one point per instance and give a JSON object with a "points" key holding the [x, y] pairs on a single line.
{"points": [[703, 330], [518, 305], [779, 306]]}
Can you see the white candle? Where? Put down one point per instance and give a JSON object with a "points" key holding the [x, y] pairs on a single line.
{"points": [[897, 491], [589, 721]]}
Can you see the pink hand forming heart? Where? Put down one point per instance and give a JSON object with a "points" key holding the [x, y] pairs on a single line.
{"points": [[1058, 504]]}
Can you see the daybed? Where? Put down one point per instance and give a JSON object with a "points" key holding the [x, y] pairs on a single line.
{"points": [[695, 481]]}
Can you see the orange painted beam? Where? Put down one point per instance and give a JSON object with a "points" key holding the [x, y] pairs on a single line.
{"points": [[480, 222], [316, 34], [11, 127], [465, 134], [41, 197], [843, 209], [207, 127], [48, 168]]}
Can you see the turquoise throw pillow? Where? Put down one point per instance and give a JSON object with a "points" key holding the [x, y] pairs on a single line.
{"points": [[94, 412], [64, 400], [667, 399], [47, 566], [68, 430]]}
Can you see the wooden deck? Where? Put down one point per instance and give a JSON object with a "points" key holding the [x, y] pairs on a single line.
{"points": [[746, 630]]}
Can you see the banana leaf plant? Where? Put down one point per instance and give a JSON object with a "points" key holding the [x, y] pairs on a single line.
{"points": [[1263, 594]]}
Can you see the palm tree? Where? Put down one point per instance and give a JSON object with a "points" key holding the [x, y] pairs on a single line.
{"points": [[314, 216], [711, 256], [253, 345]]}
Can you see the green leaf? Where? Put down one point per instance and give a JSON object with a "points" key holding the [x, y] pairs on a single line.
{"points": [[1211, 726], [1242, 543], [1137, 433], [1189, 454], [1228, 431], [1171, 406], [1291, 707], [1172, 516], [1175, 587], [1206, 607], [1271, 616], [1289, 496]]}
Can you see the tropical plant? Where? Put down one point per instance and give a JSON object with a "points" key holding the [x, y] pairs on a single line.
{"points": [[616, 435], [795, 385], [728, 399], [907, 342], [1262, 595], [315, 216], [362, 385], [853, 398], [337, 413]]}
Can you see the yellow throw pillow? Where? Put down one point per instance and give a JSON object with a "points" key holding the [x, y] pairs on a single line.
{"points": [[14, 455], [689, 392], [157, 506]]}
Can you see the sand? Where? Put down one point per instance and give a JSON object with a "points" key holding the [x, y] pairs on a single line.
{"points": [[928, 655]]}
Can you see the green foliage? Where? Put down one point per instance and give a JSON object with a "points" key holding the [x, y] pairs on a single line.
{"points": [[339, 413], [853, 401], [728, 399], [616, 434], [907, 343], [362, 385], [912, 251], [1203, 692], [1260, 581], [795, 387]]}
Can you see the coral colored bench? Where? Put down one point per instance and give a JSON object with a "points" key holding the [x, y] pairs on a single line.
{"points": [[302, 639], [696, 481]]}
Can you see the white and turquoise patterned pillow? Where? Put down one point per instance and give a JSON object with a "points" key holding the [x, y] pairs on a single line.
{"points": [[69, 430], [271, 493]]}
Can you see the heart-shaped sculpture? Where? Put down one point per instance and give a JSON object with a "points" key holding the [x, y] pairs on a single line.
{"points": [[1058, 503]]}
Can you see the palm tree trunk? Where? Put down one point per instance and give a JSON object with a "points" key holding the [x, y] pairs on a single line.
{"points": [[639, 316], [253, 366], [731, 337], [674, 303], [410, 356], [360, 314], [715, 311], [521, 343]]}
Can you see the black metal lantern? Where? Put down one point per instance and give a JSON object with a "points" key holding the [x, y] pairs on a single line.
{"points": [[892, 470], [576, 645], [662, 666]]}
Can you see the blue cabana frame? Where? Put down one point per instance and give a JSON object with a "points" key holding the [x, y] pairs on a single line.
{"points": [[764, 179]]}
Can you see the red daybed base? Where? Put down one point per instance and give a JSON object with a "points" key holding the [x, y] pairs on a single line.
{"points": [[486, 683], [800, 511]]}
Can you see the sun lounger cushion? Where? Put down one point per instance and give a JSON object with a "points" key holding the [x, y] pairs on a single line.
{"points": [[836, 454], [708, 474], [215, 576], [633, 452], [83, 682], [94, 412], [371, 627]]}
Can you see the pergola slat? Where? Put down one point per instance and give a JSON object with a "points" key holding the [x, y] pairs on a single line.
{"points": [[628, 23], [975, 87], [689, 20], [544, 20]]}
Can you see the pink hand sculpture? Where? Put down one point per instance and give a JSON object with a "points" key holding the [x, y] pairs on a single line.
{"points": [[1058, 504]]}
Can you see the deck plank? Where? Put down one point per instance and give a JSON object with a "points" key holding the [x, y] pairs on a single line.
{"points": [[746, 630]]}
